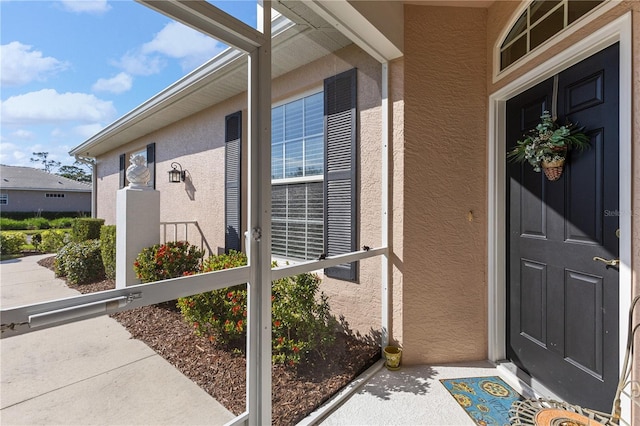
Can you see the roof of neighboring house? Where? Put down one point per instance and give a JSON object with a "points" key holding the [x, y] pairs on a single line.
{"points": [[294, 44], [30, 179]]}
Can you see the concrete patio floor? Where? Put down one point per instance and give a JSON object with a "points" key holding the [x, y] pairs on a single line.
{"points": [[412, 395]]}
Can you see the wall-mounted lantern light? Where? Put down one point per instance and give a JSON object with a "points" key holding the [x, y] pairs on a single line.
{"points": [[176, 175]]}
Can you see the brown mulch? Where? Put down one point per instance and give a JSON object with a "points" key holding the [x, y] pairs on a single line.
{"points": [[296, 392]]}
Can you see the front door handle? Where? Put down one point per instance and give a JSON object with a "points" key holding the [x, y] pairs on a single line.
{"points": [[611, 262]]}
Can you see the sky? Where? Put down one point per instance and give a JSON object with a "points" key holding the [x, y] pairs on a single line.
{"points": [[69, 68]]}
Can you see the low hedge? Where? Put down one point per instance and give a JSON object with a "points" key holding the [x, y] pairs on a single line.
{"points": [[84, 229], [45, 215]]}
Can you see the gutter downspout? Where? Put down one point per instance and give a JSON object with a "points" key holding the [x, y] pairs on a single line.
{"points": [[94, 182]]}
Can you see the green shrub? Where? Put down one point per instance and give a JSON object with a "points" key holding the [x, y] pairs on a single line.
{"points": [[108, 250], [36, 241], [7, 224], [53, 240], [83, 229], [11, 243], [301, 319], [62, 222], [170, 260], [80, 262], [36, 223], [220, 314]]}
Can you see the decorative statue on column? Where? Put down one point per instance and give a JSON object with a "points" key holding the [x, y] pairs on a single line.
{"points": [[138, 174]]}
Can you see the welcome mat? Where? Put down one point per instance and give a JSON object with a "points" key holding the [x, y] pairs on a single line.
{"points": [[485, 399]]}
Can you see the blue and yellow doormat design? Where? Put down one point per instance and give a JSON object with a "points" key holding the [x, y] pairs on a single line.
{"points": [[485, 399]]}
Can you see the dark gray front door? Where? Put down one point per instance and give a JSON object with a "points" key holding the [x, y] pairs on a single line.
{"points": [[563, 306]]}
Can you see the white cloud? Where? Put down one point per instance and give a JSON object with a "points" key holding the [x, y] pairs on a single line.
{"points": [[175, 41], [48, 105], [118, 84], [86, 6], [137, 63], [178, 41], [20, 64], [23, 134]]}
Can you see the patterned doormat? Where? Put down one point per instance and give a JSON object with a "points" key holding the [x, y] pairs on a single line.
{"points": [[485, 399]]}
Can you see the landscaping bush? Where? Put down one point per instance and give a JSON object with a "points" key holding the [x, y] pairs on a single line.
{"points": [[7, 224], [62, 222], [11, 242], [83, 229], [36, 241], [219, 314], [53, 240], [301, 319], [36, 223], [170, 260], [80, 262], [108, 250]]}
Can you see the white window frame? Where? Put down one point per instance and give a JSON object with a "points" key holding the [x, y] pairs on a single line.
{"points": [[286, 181], [575, 26], [4, 199]]}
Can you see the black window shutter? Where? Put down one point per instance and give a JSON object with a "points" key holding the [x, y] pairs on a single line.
{"points": [[151, 163], [232, 161], [340, 174], [123, 169]]}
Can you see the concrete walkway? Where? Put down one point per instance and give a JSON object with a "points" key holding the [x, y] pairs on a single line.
{"points": [[89, 372]]}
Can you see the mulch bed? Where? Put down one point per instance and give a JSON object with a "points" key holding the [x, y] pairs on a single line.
{"points": [[296, 392]]}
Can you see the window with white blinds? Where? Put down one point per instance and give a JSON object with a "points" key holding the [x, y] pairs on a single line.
{"points": [[297, 170]]}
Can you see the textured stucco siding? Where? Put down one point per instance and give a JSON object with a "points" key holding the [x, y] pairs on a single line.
{"points": [[34, 201], [358, 302], [445, 214], [197, 143], [397, 197]]}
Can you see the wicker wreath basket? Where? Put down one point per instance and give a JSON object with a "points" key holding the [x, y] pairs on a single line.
{"points": [[553, 169]]}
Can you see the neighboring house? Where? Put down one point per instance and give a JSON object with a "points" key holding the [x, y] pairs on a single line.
{"points": [[25, 189], [486, 260]]}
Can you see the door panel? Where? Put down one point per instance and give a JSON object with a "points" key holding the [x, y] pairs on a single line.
{"points": [[563, 306]]}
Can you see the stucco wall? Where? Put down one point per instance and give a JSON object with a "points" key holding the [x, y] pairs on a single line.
{"points": [[397, 197], [34, 201], [197, 143], [358, 302], [444, 287]]}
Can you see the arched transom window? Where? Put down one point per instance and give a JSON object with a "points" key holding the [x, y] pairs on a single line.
{"points": [[541, 20]]}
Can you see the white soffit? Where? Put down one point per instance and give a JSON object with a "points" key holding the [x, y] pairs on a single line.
{"points": [[350, 21]]}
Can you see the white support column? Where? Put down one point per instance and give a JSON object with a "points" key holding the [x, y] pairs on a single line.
{"points": [[384, 206], [259, 225], [137, 221]]}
